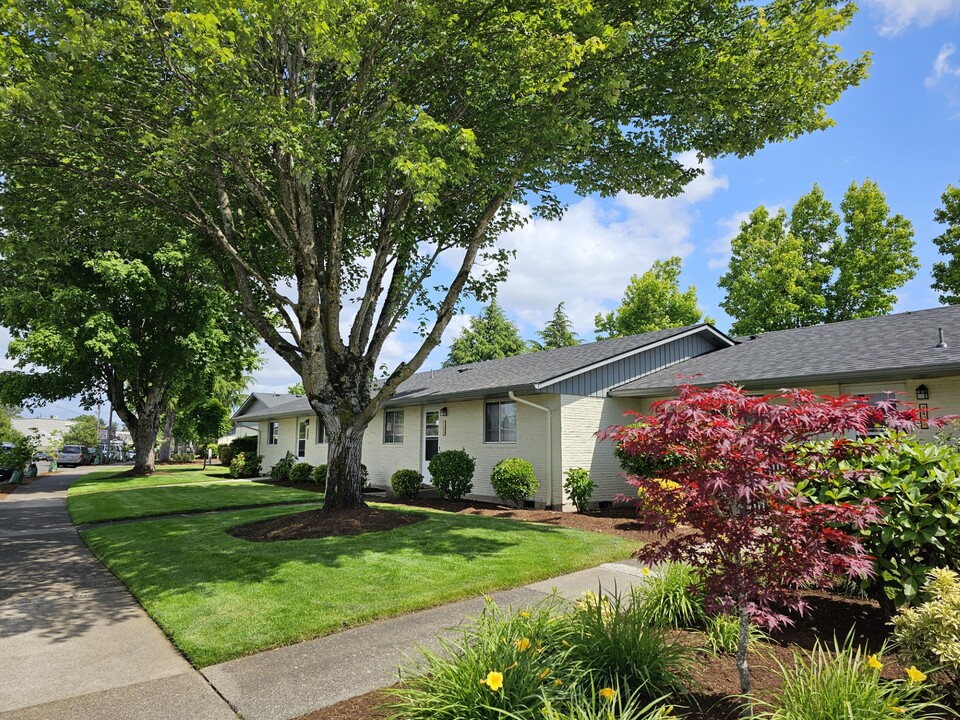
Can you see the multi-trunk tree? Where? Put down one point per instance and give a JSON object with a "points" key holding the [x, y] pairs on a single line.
{"points": [[333, 154], [787, 272], [651, 302]]}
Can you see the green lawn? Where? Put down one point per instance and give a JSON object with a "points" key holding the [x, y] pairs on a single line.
{"points": [[144, 502], [111, 479], [220, 597]]}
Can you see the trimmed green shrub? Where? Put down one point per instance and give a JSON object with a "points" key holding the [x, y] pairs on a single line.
{"points": [[579, 487], [647, 466], [928, 635], [281, 471], [671, 597], [513, 480], [245, 444], [452, 473], [301, 472], [917, 486], [406, 483], [225, 453], [184, 457], [843, 682], [244, 465], [320, 475]]}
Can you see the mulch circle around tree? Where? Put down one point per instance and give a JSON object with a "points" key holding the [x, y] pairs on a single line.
{"points": [[317, 524]]}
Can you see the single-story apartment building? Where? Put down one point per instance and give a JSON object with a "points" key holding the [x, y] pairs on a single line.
{"points": [[546, 407]]}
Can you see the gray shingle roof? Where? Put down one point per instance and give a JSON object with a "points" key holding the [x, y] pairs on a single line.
{"points": [[885, 347], [521, 373]]}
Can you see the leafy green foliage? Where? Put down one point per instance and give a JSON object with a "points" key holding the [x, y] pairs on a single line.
{"points": [[557, 333], [490, 336], [722, 633], [225, 453], [452, 473], [946, 274], [184, 457], [588, 702], [83, 431], [301, 472], [513, 480], [652, 302], [786, 274], [21, 453], [672, 597], [579, 487], [928, 634], [320, 474], [839, 682], [916, 485], [245, 465], [406, 483], [281, 471]]}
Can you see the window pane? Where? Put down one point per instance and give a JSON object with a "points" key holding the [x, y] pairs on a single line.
{"points": [[491, 423], [508, 422], [398, 426], [319, 434]]}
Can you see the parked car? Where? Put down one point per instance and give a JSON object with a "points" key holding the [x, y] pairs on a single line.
{"points": [[5, 472], [73, 456]]}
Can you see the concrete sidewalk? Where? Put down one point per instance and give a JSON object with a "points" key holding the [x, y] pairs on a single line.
{"points": [[75, 644]]}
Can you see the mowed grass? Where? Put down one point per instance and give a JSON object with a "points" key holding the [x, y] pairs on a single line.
{"points": [[219, 597], [113, 479], [123, 504]]}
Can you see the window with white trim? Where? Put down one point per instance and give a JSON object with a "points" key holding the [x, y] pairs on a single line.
{"points": [[393, 427], [273, 432], [303, 432], [500, 422]]}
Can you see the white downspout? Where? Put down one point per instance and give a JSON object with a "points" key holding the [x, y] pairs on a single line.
{"points": [[549, 444]]}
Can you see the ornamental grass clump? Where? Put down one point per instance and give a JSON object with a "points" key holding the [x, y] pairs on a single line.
{"points": [[504, 665], [723, 634], [451, 472], [672, 597], [513, 480], [843, 682], [592, 702]]}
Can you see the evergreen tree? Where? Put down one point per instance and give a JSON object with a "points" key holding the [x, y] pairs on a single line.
{"points": [[557, 333], [491, 336], [651, 302]]}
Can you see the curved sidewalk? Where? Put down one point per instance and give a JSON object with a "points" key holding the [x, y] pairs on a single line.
{"points": [[73, 642]]}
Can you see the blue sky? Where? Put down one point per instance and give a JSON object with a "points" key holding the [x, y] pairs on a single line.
{"points": [[900, 127]]}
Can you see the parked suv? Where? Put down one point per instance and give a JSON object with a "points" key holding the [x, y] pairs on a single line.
{"points": [[73, 456]]}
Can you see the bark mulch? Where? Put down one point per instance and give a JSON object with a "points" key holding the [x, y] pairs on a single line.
{"points": [[318, 524]]}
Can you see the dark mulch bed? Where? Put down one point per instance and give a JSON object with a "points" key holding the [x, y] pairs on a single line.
{"points": [[715, 681], [318, 524]]}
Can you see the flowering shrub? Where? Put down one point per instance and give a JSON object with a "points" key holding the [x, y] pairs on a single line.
{"points": [[406, 483], [301, 472], [451, 472], [513, 480], [929, 634], [579, 487]]}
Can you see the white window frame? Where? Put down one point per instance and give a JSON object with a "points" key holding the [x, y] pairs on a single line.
{"points": [[303, 433]]}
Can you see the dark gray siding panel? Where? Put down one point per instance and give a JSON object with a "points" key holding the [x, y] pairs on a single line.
{"points": [[598, 382]]}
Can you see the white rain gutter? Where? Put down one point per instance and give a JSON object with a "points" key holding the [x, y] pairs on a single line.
{"points": [[549, 443]]}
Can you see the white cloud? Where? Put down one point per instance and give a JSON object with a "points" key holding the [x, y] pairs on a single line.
{"points": [[720, 248], [586, 258], [897, 15], [942, 67]]}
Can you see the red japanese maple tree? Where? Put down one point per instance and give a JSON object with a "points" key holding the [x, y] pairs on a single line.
{"points": [[733, 509]]}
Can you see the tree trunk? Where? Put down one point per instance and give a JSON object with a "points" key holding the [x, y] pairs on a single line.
{"points": [[144, 444], [164, 453], [344, 482], [743, 664]]}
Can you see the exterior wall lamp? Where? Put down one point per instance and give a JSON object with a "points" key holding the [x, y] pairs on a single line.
{"points": [[443, 410], [923, 393]]}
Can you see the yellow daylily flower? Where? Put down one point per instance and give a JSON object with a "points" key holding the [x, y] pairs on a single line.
{"points": [[544, 673], [646, 571], [874, 663], [524, 614], [607, 693], [523, 644], [897, 709], [558, 682], [494, 680], [915, 675], [566, 644]]}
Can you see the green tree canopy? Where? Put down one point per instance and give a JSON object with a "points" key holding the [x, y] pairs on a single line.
{"points": [[651, 302], [946, 274], [804, 271], [83, 431], [346, 149], [557, 333], [490, 336]]}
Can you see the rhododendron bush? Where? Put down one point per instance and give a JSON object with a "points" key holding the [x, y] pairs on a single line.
{"points": [[727, 502]]}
